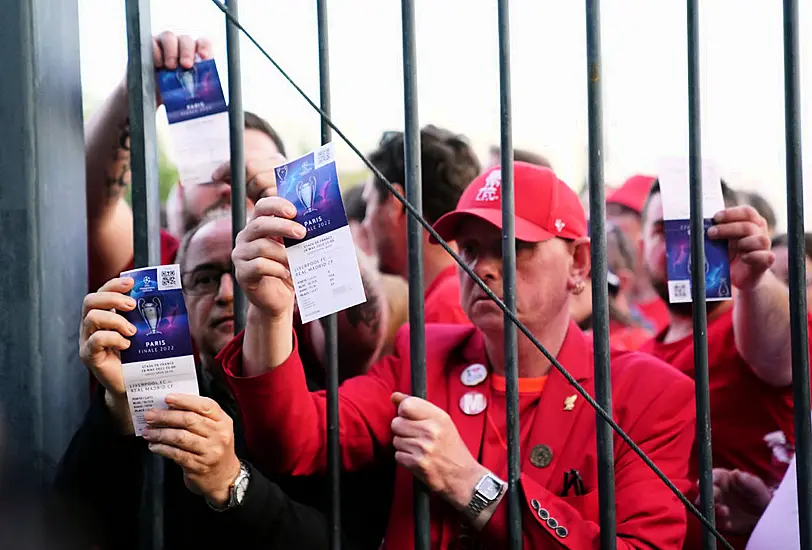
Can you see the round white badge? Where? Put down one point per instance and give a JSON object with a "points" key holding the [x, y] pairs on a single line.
{"points": [[474, 374], [473, 403]]}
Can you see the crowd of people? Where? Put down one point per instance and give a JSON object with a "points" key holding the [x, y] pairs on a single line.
{"points": [[260, 418]]}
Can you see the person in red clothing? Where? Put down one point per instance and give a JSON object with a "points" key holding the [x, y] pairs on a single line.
{"points": [[624, 207], [448, 166], [107, 156], [625, 333], [454, 441], [749, 357]]}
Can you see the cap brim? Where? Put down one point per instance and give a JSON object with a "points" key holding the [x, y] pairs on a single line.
{"points": [[448, 224]]}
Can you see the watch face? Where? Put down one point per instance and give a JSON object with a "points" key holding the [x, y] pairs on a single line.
{"points": [[240, 489], [489, 488]]}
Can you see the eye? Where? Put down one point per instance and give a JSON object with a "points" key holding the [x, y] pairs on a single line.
{"points": [[205, 278]]}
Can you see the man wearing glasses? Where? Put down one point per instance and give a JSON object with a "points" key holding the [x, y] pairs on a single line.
{"points": [[102, 467]]}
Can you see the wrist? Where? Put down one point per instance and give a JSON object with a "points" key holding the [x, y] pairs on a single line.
{"points": [[463, 489], [120, 411], [220, 496]]}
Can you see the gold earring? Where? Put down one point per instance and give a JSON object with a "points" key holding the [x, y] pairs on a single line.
{"points": [[579, 288]]}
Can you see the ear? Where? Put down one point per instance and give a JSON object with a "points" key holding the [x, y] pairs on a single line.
{"points": [[627, 278], [581, 263], [394, 209]]}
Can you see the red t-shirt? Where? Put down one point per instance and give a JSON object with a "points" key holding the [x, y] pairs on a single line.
{"points": [[745, 411], [442, 299], [624, 338], [655, 312]]}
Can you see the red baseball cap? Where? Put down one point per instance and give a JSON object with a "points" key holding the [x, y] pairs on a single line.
{"points": [[633, 193], [545, 206]]}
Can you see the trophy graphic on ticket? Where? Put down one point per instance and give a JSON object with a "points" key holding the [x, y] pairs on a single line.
{"points": [[306, 191], [187, 78], [151, 313]]}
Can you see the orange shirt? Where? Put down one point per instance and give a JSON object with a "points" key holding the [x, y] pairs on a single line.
{"points": [[442, 299], [494, 451]]}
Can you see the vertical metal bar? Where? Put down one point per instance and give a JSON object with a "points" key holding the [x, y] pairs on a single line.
{"points": [[414, 194], [509, 281], [600, 286], [703, 426], [146, 220], [330, 324], [797, 274], [236, 123]]}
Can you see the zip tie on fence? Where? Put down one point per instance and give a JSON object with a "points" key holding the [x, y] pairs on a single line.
{"points": [[427, 226]]}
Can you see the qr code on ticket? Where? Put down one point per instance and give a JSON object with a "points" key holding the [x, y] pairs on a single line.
{"points": [[169, 277], [679, 291], [323, 155]]}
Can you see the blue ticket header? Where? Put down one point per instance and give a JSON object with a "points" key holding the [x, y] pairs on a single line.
{"points": [[192, 93]]}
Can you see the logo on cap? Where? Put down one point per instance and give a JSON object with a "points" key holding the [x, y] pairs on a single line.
{"points": [[490, 189], [559, 225]]}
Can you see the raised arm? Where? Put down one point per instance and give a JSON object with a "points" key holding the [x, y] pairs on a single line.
{"points": [[107, 158], [284, 422], [761, 305]]}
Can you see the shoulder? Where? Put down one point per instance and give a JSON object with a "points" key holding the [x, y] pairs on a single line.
{"points": [[634, 372], [442, 340]]}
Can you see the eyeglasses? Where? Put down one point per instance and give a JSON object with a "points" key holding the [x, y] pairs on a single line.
{"points": [[204, 280]]}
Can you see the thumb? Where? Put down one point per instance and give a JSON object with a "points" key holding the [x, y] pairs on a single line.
{"points": [[398, 398]]}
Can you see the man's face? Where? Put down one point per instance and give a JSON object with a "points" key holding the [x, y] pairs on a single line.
{"points": [[781, 270], [654, 245], [542, 274], [200, 199], [209, 288], [383, 229]]}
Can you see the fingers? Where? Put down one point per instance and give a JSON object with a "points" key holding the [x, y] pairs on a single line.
{"points": [[222, 172], [186, 51], [764, 259], [413, 428], [261, 248], [735, 230], [103, 340], [168, 44], [194, 403], [398, 398], [122, 285], [184, 459], [106, 301], [181, 440], [254, 270], [739, 214], [274, 206], [204, 48], [102, 320], [753, 243], [414, 408], [271, 227], [182, 420]]}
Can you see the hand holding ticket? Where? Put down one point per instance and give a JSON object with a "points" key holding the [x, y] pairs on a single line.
{"points": [[675, 188], [159, 359]]}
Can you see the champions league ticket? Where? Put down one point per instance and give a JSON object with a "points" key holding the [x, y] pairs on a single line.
{"points": [[323, 264], [675, 191], [159, 360], [198, 119]]}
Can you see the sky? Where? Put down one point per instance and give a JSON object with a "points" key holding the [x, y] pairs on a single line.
{"points": [[644, 77]]}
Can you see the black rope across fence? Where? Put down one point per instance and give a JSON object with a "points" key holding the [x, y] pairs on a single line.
{"points": [[488, 292]]}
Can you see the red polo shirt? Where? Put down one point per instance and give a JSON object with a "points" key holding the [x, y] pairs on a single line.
{"points": [[442, 299], [656, 313]]}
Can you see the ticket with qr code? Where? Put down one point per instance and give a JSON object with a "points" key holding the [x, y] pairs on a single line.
{"points": [[673, 175], [160, 359], [198, 119], [323, 264]]}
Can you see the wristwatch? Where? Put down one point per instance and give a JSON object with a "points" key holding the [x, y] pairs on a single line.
{"points": [[488, 489], [237, 490]]}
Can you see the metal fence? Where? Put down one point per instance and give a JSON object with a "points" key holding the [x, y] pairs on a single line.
{"points": [[145, 207]]}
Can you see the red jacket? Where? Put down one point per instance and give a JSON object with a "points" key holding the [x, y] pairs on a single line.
{"points": [[285, 430]]}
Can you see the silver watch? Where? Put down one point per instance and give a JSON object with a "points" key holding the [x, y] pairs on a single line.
{"points": [[237, 490], [488, 489]]}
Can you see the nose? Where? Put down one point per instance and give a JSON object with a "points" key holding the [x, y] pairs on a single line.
{"points": [[225, 292], [223, 192], [487, 267]]}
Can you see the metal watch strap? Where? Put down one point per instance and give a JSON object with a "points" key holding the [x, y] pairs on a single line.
{"points": [[475, 506], [232, 490]]}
